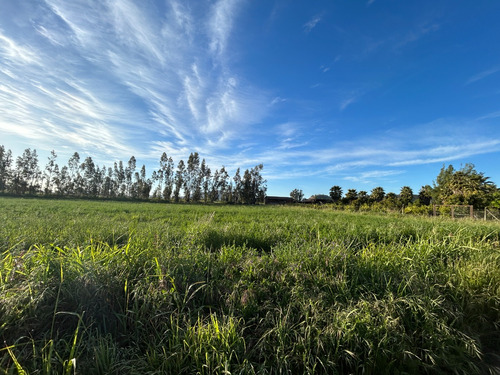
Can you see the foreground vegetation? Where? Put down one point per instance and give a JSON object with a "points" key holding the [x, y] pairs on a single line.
{"points": [[140, 288]]}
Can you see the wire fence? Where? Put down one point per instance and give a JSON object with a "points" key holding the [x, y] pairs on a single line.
{"points": [[488, 214], [466, 211]]}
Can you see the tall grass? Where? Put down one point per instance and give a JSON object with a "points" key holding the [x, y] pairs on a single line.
{"points": [[135, 288]]}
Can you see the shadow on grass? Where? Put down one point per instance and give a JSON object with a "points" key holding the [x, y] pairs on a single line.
{"points": [[215, 240]]}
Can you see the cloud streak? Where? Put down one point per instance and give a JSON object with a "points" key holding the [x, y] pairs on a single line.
{"points": [[16, 53], [311, 24], [115, 70], [220, 24], [378, 158], [482, 75], [373, 175]]}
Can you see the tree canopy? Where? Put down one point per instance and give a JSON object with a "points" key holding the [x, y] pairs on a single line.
{"points": [[464, 186], [297, 195], [86, 179], [336, 193], [194, 181]]}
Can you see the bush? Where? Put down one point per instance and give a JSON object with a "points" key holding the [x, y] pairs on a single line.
{"points": [[418, 210]]}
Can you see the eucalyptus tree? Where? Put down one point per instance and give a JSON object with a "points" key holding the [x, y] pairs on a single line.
{"points": [[297, 195], [100, 174], [5, 168], [186, 186], [238, 187], [246, 192], [144, 184], [120, 178], [258, 183], [157, 190], [230, 193], [88, 179], [74, 174], [89, 185], [167, 173], [179, 179], [107, 190], [169, 179], [129, 173], [34, 173], [205, 179], [223, 184], [157, 178], [253, 185], [193, 181], [27, 174], [49, 171], [214, 186], [191, 178], [54, 181], [62, 181]]}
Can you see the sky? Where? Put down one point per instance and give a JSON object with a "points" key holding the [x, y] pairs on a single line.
{"points": [[355, 93]]}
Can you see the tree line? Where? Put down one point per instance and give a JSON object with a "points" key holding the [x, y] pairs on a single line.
{"points": [[465, 186], [190, 181]]}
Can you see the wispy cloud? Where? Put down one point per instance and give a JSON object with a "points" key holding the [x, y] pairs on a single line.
{"points": [[290, 136], [448, 153], [136, 31], [16, 53], [311, 24], [489, 116], [351, 98], [396, 42], [416, 34], [220, 24], [482, 75], [378, 158], [347, 102], [373, 175], [277, 100], [120, 72]]}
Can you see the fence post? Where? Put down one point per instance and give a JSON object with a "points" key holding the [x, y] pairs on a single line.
{"points": [[471, 212]]}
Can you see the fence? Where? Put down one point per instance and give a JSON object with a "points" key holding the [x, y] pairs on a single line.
{"points": [[466, 211], [490, 214]]}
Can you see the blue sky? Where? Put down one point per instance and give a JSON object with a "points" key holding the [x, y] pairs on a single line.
{"points": [[352, 93]]}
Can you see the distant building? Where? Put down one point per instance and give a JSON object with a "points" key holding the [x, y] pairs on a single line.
{"points": [[319, 198], [278, 200]]}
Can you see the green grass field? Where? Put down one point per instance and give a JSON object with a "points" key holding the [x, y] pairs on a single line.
{"points": [[92, 287]]}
